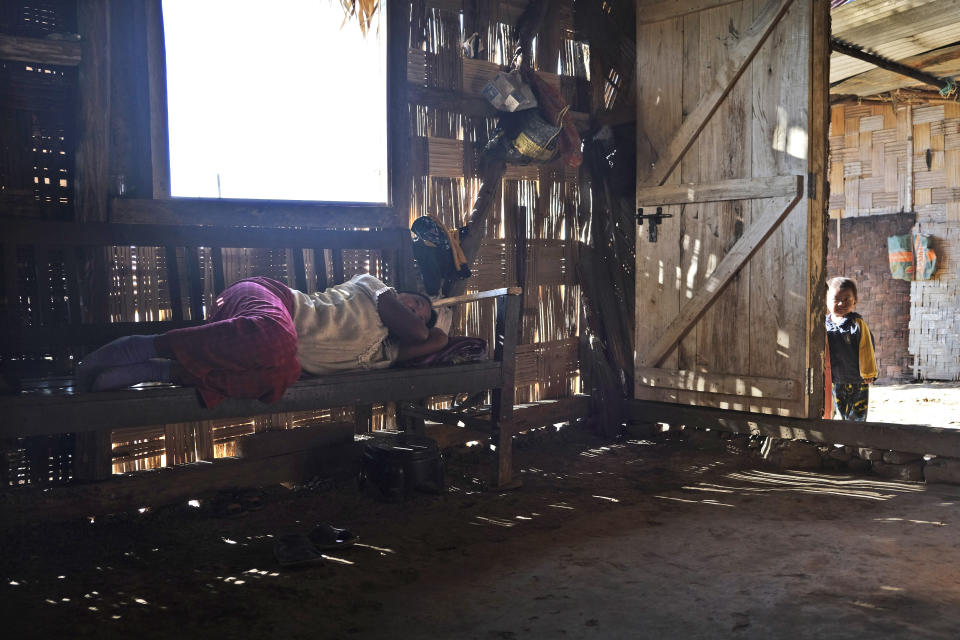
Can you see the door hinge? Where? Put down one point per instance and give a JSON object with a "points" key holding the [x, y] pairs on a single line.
{"points": [[808, 383], [811, 185]]}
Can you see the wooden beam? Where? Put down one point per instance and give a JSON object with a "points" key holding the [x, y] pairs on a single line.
{"points": [[267, 444], [739, 189], [910, 438], [40, 51], [40, 414], [943, 62], [105, 234], [479, 295], [724, 79], [649, 11], [250, 213], [890, 65], [171, 485], [732, 262], [548, 412], [723, 383], [544, 413], [479, 107]]}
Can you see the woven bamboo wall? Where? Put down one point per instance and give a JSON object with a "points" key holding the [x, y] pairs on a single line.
{"points": [[887, 159], [876, 156], [444, 157], [37, 107], [444, 154], [935, 305]]}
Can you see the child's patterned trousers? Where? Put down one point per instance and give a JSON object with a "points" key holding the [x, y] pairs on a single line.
{"points": [[850, 400]]}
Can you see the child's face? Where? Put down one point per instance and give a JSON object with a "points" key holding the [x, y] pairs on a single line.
{"points": [[840, 302], [417, 305]]}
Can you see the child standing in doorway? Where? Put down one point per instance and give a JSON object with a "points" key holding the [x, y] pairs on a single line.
{"points": [[853, 365]]}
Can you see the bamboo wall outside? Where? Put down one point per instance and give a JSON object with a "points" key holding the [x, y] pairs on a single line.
{"points": [[906, 158]]}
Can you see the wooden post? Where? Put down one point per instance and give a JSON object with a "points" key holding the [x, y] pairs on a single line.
{"points": [[362, 417], [92, 455], [194, 284], [501, 436], [491, 176], [320, 268], [399, 135]]}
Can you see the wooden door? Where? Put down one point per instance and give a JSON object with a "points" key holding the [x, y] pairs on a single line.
{"points": [[732, 116]]}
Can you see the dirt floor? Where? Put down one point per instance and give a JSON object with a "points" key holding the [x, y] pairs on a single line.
{"points": [[634, 539]]}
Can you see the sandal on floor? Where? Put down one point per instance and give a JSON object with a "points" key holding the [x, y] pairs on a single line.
{"points": [[250, 500], [325, 537], [295, 549], [226, 505]]}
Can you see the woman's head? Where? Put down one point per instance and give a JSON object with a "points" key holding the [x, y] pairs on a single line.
{"points": [[841, 296], [419, 305]]}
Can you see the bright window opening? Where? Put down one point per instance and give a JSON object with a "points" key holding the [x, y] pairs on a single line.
{"points": [[275, 101]]}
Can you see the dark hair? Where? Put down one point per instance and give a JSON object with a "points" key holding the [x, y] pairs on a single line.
{"points": [[432, 320], [839, 284]]}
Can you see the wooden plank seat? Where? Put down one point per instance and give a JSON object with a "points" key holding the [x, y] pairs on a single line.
{"points": [[48, 405]]}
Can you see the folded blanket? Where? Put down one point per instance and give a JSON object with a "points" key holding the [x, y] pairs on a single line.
{"points": [[459, 349]]}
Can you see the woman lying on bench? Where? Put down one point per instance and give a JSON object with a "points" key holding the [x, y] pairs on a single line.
{"points": [[263, 333]]}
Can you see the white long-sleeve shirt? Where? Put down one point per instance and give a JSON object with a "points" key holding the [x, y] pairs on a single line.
{"points": [[340, 328]]}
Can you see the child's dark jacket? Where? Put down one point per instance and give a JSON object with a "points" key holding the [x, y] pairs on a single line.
{"points": [[852, 356]]}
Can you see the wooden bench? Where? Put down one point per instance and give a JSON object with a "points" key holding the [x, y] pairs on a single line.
{"points": [[47, 404]]}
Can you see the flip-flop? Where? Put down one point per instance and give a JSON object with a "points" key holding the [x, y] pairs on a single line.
{"points": [[251, 500], [325, 537], [295, 549]]}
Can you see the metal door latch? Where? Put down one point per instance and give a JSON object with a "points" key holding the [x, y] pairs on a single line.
{"points": [[655, 220]]}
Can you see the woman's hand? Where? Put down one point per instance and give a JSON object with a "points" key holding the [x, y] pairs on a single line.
{"points": [[435, 341], [404, 324]]}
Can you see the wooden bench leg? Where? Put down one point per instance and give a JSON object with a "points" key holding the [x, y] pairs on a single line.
{"points": [[363, 418], [503, 466], [412, 424], [93, 455], [501, 437]]}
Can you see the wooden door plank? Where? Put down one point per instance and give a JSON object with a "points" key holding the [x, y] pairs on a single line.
{"points": [[649, 11], [730, 70], [691, 223], [660, 92], [718, 383], [782, 138], [732, 262], [734, 189], [724, 153]]}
